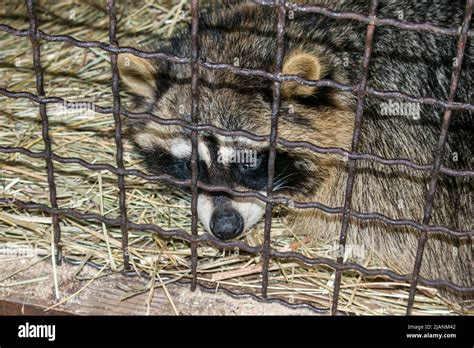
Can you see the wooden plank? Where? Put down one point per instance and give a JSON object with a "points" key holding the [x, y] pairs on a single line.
{"points": [[16, 308], [104, 296]]}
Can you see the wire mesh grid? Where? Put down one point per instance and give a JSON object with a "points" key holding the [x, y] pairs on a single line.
{"points": [[361, 90]]}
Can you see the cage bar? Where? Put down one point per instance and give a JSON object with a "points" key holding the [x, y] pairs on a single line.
{"points": [[33, 34], [280, 51], [194, 134], [361, 90], [439, 153], [361, 94], [118, 132]]}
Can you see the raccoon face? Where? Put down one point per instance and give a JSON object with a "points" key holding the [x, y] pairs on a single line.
{"points": [[226, 162], [234, 103]]}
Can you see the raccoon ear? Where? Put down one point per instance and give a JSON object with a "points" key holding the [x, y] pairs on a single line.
{"points": [[138, 74], [304, 64]]}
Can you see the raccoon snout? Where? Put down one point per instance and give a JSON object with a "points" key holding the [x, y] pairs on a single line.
{"points": [[226, 224]]}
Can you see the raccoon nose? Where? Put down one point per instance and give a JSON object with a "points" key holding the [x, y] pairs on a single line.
{"points": [[226, 224]]}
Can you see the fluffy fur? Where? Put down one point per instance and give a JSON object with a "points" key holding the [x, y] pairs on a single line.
{"points": [[319, 47]]}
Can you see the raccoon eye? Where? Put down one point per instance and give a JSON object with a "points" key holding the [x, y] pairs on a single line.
{"points": [[202, 169], [188, 166], [252, 166], [246, 166], [252, 174]]}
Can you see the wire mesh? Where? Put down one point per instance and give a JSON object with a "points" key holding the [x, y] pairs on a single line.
{"points": [[361, 90]]}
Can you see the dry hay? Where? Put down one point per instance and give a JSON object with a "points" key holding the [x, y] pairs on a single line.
{"points": [[78, 74]]}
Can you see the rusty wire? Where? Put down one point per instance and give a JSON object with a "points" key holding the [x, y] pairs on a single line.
{"points": [[33, 34], [369, 40], [276, 103], [194, 134], [361, 90], [255, 137], [461, 46], [118, 131]]}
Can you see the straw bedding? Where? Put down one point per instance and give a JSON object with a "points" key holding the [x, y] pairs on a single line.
{"points": [[78, 74]]}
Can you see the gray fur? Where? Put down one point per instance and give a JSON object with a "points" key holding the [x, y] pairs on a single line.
{"points": [[418, 63]]}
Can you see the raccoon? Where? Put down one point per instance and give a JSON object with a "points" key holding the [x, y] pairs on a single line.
{"points": [[319, 47]]}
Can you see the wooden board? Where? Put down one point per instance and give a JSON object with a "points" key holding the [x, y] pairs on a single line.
{"points": [[104, 296]]}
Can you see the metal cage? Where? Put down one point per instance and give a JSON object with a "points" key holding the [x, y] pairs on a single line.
{"points": [[361, 90]]}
